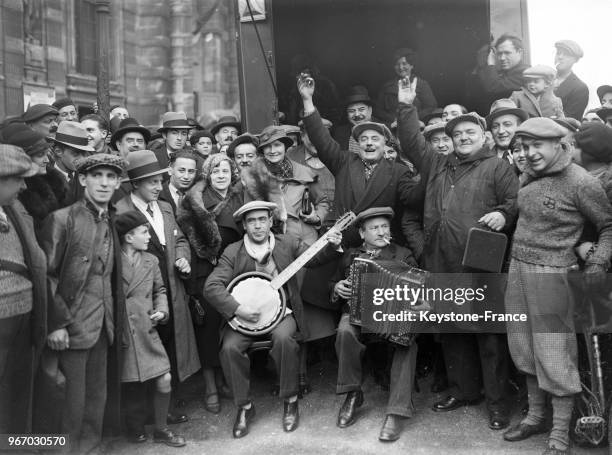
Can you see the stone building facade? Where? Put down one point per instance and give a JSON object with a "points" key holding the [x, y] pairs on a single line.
{"points": [[165, 55]]}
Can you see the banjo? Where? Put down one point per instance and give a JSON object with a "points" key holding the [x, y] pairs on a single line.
{"points": [[266, 294]]}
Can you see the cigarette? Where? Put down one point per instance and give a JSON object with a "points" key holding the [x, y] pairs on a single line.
{"points": [[386, 240]]}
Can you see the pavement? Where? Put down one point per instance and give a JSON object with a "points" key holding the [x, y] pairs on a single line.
{"points": [[463, 431]]}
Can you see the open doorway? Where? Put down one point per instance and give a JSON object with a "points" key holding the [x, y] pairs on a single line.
{"points": [[352, 41]]}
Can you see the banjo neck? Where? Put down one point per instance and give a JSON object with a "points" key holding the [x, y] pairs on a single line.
{"points": [[277, 282]]}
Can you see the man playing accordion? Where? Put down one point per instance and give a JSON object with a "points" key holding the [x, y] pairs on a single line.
{"points": [[375, 231]]}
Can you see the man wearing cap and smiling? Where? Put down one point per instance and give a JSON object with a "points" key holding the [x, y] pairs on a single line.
{"points": [[555, 201], [573, 92], [436, 137], [362, 180], [23, 294], [358, 108], [86, 310], [468, 188], [41, 118], [503, 120], [261, 251], [174, 130], [171, 248]]}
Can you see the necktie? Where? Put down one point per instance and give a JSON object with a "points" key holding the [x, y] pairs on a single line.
{"points": [[181, 196], [150, 210]]}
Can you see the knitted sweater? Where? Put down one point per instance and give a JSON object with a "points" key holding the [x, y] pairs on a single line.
{"points": [[553, 209]]}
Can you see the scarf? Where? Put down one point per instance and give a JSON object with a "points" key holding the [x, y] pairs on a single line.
{"points": [[261, 253], [282, 170]]}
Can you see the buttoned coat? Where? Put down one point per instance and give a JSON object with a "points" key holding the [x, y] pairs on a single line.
{"points": [[177, 246], [574, 95]]}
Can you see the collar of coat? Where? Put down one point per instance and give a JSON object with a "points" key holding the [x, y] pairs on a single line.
{"points": [[483, 153]]}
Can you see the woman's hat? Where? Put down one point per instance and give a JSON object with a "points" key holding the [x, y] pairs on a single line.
{"points": [[274, 133]]}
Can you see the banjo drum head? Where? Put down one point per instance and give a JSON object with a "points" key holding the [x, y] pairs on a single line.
{"points": [[259, 293]]}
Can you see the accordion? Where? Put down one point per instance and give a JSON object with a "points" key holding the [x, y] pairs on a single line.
{"points": [[370, 306]]}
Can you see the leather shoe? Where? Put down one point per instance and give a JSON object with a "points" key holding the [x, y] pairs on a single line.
{"points": [[451, 403], [346, 416], [498, 420], [137, 437], [523, 431], [291, 416], [391, 429], [173, 419], [169, 438], [243, 419]]}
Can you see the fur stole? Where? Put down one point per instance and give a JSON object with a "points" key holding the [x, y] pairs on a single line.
{"points": [[261, 185], [44, 194]]}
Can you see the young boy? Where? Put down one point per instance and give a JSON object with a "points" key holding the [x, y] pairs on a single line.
{"points": [[536, 97], [555, 201], [145, 360]]}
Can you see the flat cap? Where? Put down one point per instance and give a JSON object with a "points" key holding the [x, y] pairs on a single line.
{"points": [[37, 112], [603, 89], [571, 124], [15, 163], [62, 103], [126, 221], [88, 163], [571, 47], [374, 212], [469, 117], [541, 128], [434, 128], [544, 71], [378, 127], [254, 205]]}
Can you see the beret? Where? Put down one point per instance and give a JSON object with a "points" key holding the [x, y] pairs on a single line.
{"points": [[469, 117], [544, 71], [603, 89], [245, 138], [378, 127], [374, 212], [86, 164], [23, 136], [541, 128], [253, 205], [595, 139], [37, 112], [430, 129], [571, 46], [15, 163], [63, 102], [126, 221]]}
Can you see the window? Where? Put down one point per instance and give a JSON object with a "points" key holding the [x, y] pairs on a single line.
{"points": [[85, 36]]}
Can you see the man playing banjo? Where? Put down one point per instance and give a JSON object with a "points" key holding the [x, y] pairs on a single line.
{"points": [[375, 231], [259, 251]]}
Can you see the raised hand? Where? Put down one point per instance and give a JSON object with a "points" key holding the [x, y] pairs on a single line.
{"points": [[406, 91]]}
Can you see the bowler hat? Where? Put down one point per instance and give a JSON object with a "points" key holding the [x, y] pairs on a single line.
{"points": [[174, 121], [469, 117], [87, 163], [126, 221], [373, 212], [571, 47], [129, 125], [228, 120], [37, 112], [15, 163], [273, 133], [603, 89], [358, 94], [378, 127], [143, 164], [541, 128], [505, 106], [254, 205], [74, 135]]}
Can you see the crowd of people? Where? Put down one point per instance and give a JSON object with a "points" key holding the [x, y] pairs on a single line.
{"points": [[119, 245]]}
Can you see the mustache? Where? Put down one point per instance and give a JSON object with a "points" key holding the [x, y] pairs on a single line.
{"points": [[359, 117]]}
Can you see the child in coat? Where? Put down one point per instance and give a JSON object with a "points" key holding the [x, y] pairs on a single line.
{"points": [[536, 97], [145, 360]]}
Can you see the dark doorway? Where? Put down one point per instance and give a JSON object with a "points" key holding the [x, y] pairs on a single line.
{"points": [[352, 41]]}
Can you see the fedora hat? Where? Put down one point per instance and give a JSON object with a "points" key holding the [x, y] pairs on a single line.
{"points": [[128, 125], [358, 94], [143, 164], [174, 121], [74, 135], [505, 106], [228, 120]]}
